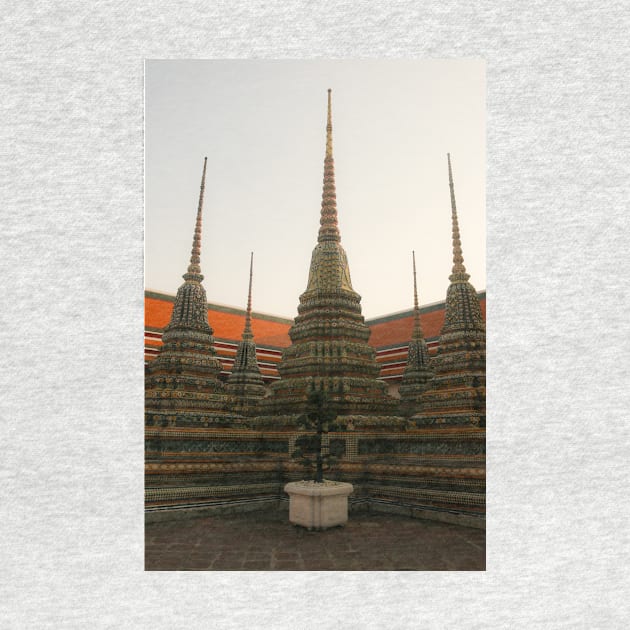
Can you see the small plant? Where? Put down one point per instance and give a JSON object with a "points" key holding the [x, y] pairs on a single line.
{"points": [[310, 448]]}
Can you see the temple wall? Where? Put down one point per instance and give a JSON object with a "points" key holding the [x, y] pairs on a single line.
{"points": [[438, 474]]}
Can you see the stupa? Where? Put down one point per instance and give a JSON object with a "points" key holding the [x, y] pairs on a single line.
{"points": [[457, 394], [418, 372], [329, 338], [182, 385], [245, 383]]}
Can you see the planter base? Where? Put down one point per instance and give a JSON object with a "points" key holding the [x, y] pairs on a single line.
{"points": [[318, 505]]}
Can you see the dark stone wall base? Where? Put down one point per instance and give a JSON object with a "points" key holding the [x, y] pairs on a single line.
{"points": [[455, 518], [223, 508], [282, 504]]}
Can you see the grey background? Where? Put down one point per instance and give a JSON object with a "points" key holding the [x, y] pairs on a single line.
{"points": [[72, 305]]}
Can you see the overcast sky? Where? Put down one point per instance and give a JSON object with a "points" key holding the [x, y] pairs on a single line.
{"points": [[262, 126]]}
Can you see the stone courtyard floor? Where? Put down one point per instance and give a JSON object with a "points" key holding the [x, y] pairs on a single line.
{"points": [[263, 541]]}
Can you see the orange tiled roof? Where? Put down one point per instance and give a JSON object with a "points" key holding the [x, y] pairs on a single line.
{"points": [[227, 323], [397, 329]]}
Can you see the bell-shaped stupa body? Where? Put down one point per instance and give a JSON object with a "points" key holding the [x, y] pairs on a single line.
{"points": [[419, 371], [457, 394], [329, 338], [245, 383], [182, 385]]}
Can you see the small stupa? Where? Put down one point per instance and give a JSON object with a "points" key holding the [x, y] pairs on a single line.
{"points": [[182, 385], [245, 382], [418, 372], [457, 393]]}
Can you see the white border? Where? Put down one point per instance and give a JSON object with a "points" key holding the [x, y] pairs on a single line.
{"points": [[72, 268]]}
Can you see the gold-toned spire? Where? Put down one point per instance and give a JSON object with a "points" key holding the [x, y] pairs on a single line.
{"points": [[418, 371], [329, 230], [247, 333], [329, 125], [195, 254], [417, 328], [459, 271], [245, 382]]}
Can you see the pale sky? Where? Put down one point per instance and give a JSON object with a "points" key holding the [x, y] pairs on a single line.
{"points": [[262, 125]]}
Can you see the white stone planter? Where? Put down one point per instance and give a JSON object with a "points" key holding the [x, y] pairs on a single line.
{"points": [[318, 505]]}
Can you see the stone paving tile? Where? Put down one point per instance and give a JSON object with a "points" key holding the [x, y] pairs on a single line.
{"points": [[267, 541]]}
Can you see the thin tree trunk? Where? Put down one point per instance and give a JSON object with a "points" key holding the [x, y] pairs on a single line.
{"points": [[319, 475]]}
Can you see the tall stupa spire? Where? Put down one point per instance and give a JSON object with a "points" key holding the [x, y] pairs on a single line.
{"points": [[195, 255], [459, 271], [247, 333], [329, 337], [329, 230], [417, 327]]}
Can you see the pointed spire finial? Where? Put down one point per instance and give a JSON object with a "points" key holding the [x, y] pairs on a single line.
{"points": [[417, 328], [247, 333], [195, 254], [329, 230], [329, 125], [458, 271]]}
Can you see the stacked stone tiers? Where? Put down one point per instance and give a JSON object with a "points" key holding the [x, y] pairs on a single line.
{"points": [[182, 384], [245, 383], [330, 350], [417, 377], [457, 395]]}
